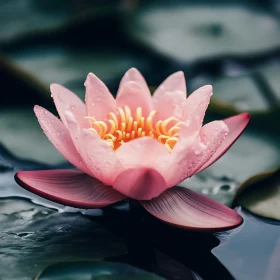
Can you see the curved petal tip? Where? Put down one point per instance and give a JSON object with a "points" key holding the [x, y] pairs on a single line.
{"points": [[190, 210], [68, 187], [236, 126]]}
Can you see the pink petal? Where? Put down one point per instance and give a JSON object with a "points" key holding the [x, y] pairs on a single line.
{"points": [[182, 161], [173, 83], [68, 187], [65, 99], [212, 135], [99, 157], [195, 107], [170, 104], [133, 95], [188, 209], [133, 75], [99, 101], [145, 151], [59, 135], [236, 125], [170, 97], [140, 183], [146, 154], [190, 153]]}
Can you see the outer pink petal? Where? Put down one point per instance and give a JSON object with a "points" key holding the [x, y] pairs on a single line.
{"points": [[99, 101], [236, 125], [95, 152], [68, 187], [195, 107], [212, 135], [182, 161], [190, 210], [170, 96], [59, 135], [99, 157], [133, 95], [140, 183], [65, 99], [133, 75], [190, 153]]}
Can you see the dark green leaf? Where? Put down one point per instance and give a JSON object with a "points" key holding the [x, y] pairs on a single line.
{"points": [[23, 136], [95, 270], [261, 194], [33, 237], [187, 32]]}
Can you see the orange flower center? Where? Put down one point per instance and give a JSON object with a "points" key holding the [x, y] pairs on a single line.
{"points": [[126, 128]]}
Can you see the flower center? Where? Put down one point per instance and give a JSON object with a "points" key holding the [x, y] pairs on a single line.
{"points": [[126, 128]]}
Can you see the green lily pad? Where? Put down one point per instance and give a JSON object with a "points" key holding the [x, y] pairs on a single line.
{"points": [[33, 237], [18, 18], [271, 72], [261, 194], [23, 136], [187, 32], [220, 189], [95, 270], [242, 93], [70, 67]]}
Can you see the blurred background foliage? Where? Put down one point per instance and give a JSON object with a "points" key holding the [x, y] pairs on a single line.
{"points": [[234, 45]]}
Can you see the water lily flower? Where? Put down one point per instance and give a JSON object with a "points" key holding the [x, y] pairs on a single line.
{"points": [[136, 146]]}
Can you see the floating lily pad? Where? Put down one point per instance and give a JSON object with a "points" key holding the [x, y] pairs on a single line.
{"points": [[220, 189], [23, 136], [95, 270], [70, 67], [261, 194], [33, 237], [271, 74], [240, 92], [187, 32], [21, 17]]}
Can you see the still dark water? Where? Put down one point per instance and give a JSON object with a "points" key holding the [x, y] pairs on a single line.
{"points": [[33, 237]]}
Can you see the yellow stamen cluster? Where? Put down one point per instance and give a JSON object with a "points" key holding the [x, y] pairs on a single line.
{"points": [[126, 128]]}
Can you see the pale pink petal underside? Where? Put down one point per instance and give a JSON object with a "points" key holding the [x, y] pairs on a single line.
{"points": [[188, 209], [174, 83], [236, 125], [185, 156], [99, 101], [133, 75], [144, 151], [99, 157], [59, 135], [68, 187], [64, 99], [169, 97], [133, 95], [195, 107], [212, 135], [140, 183]]}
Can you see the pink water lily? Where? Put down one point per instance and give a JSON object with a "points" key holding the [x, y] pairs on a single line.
{"points": [[136, 146]]}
